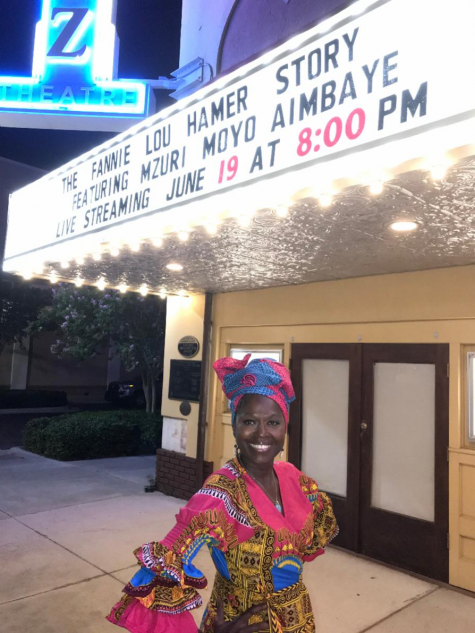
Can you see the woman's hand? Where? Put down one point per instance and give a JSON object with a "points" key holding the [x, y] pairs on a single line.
{"points": [[240, 624]]}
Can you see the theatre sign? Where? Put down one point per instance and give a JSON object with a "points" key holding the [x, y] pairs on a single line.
{"points": [[375, 86], [74, 81]]}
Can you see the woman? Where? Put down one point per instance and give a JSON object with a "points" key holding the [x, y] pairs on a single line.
{"points": [[261, 521]]}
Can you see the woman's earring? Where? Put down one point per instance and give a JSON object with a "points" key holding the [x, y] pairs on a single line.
{"points": [[281, 453], [236, 450]]}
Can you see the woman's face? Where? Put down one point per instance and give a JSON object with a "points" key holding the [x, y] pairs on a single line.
{"points": [[259, 430]]}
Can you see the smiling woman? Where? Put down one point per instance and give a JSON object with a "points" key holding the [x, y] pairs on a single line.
{"points": [[261, 521]]}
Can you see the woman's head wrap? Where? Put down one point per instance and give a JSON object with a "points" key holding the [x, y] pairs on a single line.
{"points": [[262, 376]]}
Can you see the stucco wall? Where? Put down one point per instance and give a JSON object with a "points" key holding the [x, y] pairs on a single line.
{"points": [[184, 318], [225, 33]]}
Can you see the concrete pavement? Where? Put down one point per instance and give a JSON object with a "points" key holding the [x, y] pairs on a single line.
{"points": [[67, 531]]}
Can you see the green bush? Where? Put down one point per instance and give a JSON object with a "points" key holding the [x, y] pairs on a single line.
{"points": [[94, 434]]}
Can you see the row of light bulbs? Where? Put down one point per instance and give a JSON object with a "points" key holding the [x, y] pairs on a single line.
{"points": [[325, 200], [102, 284]]}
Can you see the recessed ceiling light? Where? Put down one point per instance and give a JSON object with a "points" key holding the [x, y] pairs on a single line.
{"points": [[78, 282], [403, 225], [101, 284], [175, 267], [122, 288]]}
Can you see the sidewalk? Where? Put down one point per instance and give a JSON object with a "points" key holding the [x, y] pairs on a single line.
{"points": [[67, 531]]}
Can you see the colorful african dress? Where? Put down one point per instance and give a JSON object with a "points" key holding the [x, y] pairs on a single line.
{"points": [[258, 553]]}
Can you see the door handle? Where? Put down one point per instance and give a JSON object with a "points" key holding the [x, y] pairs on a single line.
{"points": [[364, 425]]}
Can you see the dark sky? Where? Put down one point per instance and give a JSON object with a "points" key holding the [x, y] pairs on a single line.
{"points": [[149, 33]]}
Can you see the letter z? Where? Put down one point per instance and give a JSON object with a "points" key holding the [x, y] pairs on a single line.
{"points": [[70, 32]]}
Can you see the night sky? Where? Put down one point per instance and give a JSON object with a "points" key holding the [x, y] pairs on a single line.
{"points": [[149, 33]]}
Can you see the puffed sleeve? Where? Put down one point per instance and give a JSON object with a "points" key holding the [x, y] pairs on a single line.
{"points": [[158, 599], [325, 527]]}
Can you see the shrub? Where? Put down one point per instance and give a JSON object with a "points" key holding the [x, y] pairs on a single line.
{"points": [[24, 399], [94, 434]]}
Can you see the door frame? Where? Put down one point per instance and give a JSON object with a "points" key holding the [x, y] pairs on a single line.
{"points": [[347, 509], [351, 510]]}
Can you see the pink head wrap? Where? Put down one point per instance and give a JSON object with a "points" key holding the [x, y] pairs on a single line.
{"points": [[262, 376]]}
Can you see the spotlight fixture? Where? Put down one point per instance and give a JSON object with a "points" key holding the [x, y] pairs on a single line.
{"points": [[402, 226]]}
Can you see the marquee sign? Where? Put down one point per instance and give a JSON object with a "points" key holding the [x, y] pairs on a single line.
{"points": [[374, 87], [75, 73]]}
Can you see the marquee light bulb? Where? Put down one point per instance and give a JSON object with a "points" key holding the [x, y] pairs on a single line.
{"points": [[376, 187], [135, 247], [183, 236], [244, 220], [174, 267], [325, 200], [123, 288], [282, 210], [212, 229], [438, 171], [78, 282], [101, 284], [97, 257], [143, 290], [157, 242]]}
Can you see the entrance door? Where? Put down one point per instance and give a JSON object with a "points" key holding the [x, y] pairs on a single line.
{"points": [[370, 423]]}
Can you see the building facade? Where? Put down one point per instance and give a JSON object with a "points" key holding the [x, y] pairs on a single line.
{"points": [[266, 205]]}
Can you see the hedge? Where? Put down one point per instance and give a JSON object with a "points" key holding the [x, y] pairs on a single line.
{"points": [[94, 434], [25, 399]]}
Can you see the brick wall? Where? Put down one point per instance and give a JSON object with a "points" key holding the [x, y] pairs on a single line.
{"points": [[176, 473]]}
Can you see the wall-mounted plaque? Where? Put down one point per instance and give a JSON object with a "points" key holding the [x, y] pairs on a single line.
{"points": [[185, 380], [188, 346]]}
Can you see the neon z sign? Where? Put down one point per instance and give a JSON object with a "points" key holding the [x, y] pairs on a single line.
{"points": [[75, 26], [75, 70]]}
